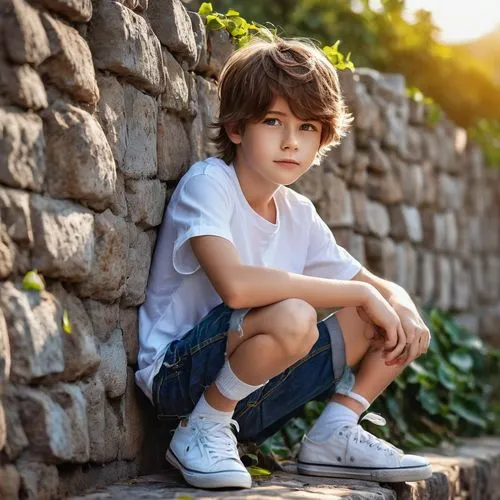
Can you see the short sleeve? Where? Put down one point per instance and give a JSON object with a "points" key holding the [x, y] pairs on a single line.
{"points": [[326, 259], [202, 207]]}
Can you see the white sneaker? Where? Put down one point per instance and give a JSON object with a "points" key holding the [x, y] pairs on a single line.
{"points": [[353, 453], [206, 453]]}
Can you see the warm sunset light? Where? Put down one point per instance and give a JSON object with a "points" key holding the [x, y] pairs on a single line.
{"points": [[461, 20]]}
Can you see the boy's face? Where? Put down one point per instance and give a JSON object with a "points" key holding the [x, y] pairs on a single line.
{"points": [[280, 147]]}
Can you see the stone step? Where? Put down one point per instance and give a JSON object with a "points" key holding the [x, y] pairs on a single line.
{"points": [[469, 471]]}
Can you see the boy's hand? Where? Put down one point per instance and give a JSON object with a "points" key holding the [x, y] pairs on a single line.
{"points": [[385, 318], [417, 334]]}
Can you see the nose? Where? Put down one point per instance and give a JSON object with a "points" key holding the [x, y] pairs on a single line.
{"points": [[289, 141]]}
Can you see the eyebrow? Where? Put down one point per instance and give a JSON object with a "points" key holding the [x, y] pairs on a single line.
{"points": [[281, 113]]}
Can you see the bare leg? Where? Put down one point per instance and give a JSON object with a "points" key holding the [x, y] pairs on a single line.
{"points": [[274, 337], [370, 362]]}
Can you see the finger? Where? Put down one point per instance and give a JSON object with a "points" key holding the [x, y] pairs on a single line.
{"points": [[401, 343]]}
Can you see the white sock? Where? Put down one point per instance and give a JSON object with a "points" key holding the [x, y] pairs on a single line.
{"points": [[203, 409], [334, 415], [231, 386]]}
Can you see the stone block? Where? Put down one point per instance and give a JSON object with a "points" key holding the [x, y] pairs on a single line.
{"points": [[176, 95], [172, 25], [109, 265], [197, 139], [113, 431], [193, 101], [38, 481], [478, 280], [34, 327], [359, 170], [451, 231], [104, 318], [200, 38], [15, 215], [113, 367], [429, 189], [426, 286], [335, 207], [138, 263], [133, 422], [378, 219], [74, 10], [379, 161], [311, 184], [22, 150], [208, 108], [140, 158], [414, 150], [25, 39], [70, 66], [406, 267], [146, 202], [16, 440], [123, 42], [381, 257], [95, 397], [64, 238], [366, 112], [112, 117], [70, 398], [461, 285], [21, 85], [360, 209], [3, 426], [444, 283], [80, 352], [405, 223], [492, 277], [450, 192], [7, 253], [119, 201], [173, 147], [384, 188], [80, 162], [10, 482], [395, 120], [5, 360], [412, 181], [220, 47], [352, 242], [129, 325], [347, 149], [46, 424]]}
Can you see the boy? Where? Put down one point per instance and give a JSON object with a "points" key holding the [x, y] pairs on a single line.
{"points": [[229, 333]]}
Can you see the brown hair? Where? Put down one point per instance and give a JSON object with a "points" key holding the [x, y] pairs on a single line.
{"points": [[293, 69]]}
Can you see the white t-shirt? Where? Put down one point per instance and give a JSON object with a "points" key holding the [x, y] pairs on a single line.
{"points": [[209, 201]]}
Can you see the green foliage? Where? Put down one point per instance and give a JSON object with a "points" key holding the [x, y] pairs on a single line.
{"points": [[433, 110], [442, 395], [242, 31], [487, 135]]}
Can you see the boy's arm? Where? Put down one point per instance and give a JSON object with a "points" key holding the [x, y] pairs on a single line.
{"points": [[416, 332], [242, 286]]}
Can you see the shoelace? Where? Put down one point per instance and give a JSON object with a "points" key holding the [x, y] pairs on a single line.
{"points": [[363, 436], [215, 439]]}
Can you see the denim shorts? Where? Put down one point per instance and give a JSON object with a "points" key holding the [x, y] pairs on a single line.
{"points": [[192, 363]]}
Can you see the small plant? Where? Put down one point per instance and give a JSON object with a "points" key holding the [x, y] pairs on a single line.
{"points": [[242, 32]]}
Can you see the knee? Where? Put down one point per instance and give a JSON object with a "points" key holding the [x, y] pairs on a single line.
{"points": [[295, 327]]}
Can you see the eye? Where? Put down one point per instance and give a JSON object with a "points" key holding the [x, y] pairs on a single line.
{"points": [[309, 127], [271, 121]]}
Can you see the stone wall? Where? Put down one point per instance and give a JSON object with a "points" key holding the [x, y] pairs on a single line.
{"points": [[103, 106]]}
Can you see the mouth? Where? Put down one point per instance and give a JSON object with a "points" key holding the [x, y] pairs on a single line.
{"points": [[287, 163]]}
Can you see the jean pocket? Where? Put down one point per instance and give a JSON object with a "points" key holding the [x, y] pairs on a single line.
{"points": [[173, 400]]}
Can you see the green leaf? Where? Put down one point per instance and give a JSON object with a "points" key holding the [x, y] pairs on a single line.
{"points": [[33, 281], [205, 9], [232, 13], [67, 327], [464, 412], [214, 23], [461, 359], [446, 376], [429, 400], [258, 471]]}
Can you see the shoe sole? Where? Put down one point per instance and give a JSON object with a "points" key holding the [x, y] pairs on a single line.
{"points": [[400, 475], [212, 479]]}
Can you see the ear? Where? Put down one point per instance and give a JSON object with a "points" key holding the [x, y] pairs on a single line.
{"points": [[233, 132]]}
